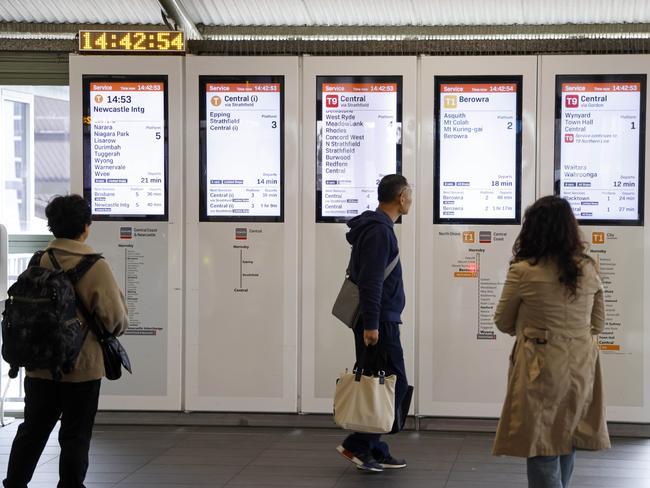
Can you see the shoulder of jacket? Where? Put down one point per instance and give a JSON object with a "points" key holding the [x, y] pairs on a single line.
{"points": [[521, 266]]}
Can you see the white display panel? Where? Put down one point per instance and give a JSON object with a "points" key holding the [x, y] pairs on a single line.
{"points": [[358, 142], [462, 264], [478, 149], [242, 269], [144, 251], [600, 135], [327, 345], [619, 247], [125, 146], [241, 124]]}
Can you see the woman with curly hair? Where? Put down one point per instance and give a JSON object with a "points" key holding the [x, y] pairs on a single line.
{"points": [[552, 302]]}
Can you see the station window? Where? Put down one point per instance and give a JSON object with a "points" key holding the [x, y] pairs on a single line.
{"points": [[34, 154], [34, 166]]}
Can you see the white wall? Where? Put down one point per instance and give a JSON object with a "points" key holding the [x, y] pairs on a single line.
{"points": [[278, 348]]}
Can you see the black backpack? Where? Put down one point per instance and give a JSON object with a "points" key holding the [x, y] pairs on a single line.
{"points": [[40, 327]]}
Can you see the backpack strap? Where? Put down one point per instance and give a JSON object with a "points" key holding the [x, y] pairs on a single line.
{"points": [[76, 273], [391, 266], [36, 259], [83, 266]]}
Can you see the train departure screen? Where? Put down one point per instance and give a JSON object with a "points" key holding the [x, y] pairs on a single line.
{"points": [[241, 132], [478, 149], [125, 146], [359, 141], [600, 146]]}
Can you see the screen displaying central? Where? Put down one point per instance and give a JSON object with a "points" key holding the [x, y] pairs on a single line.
{"points": [[600, 146], [241, 122], [358, 142]]}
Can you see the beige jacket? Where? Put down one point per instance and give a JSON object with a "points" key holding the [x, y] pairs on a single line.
{"points": [[554, 400], [99, 292]]}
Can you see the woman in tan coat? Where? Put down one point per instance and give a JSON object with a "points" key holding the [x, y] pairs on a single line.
{"points": [[552, 302], [74, 399]]}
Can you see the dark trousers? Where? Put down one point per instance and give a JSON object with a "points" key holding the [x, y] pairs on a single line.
{"points": [[45, 402], [387, 353]]}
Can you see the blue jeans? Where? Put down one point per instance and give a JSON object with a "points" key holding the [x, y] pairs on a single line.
{"points": [[550, 471], [391, 356]]}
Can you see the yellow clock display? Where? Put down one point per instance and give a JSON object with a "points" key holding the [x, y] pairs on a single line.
{"points": [[132, 41]]}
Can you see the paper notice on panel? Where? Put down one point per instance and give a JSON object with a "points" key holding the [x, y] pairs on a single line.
{"points": [[127, 148], [477, 136], [358, 137], [599, 141], [243, 144]]}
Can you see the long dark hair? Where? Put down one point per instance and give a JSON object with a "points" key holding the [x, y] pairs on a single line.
{"points": [[550, 230]]}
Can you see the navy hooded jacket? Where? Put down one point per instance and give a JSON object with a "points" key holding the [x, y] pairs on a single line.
{"points": [[374, 246]]}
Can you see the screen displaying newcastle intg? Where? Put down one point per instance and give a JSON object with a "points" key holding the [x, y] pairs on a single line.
{"points": [[600, 146], [478, 149], [358, 142], [242, 152], [125, 146]]}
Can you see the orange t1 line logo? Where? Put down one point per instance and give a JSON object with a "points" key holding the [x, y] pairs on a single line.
{"points": [[468, 237], [598, 238], [450, 101]]}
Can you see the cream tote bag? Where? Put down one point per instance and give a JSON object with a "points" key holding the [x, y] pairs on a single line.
{"points": [[365, 403]]}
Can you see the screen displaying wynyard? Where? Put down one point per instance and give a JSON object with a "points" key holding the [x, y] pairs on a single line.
{"points": [[600, 146], [359, 141], [478, 149], [125, 146], [242, 149]]}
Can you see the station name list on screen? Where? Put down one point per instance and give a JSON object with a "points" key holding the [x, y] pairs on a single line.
{"points": [[243, 167], [477, 137], [358, 144], [127, 148], [599, 166]]}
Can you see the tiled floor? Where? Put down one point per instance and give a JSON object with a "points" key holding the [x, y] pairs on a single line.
{"points": [[184, 457]]}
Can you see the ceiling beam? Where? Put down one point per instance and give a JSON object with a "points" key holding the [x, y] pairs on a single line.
{"points": [[177, 11]]}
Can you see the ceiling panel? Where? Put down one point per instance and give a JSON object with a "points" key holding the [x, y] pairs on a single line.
{"points": [[334, 12], [81, 11], [415, 12]]}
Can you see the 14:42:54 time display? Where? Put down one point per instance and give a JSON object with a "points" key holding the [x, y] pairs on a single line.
{"points": [[132, 41]]}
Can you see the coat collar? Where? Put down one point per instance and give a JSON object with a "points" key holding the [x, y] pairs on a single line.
{"points": [[71, 246]]}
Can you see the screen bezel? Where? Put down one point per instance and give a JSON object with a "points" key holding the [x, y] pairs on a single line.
{"points": [[204, 80], [557, 152], [87, 173], [320, 80], [477, 79]]}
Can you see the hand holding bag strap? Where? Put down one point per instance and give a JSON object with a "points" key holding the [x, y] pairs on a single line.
{"points": [[372, 361]]}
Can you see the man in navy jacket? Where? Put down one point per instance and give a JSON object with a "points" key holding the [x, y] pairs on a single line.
{"points": [[374, 247]]}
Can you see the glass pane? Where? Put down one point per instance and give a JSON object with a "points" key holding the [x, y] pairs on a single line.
{"points": [[34, 154], [51, 154]]}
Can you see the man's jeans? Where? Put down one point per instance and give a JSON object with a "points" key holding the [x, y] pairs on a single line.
{"points": [[550, 471], [389, 349]]}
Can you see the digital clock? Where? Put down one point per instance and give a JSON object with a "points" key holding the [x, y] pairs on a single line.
{"points": [[132, 41]]}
